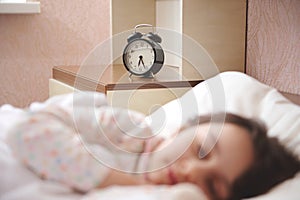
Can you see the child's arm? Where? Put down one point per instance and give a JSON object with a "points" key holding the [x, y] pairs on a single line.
{"points": [[122, 178]]}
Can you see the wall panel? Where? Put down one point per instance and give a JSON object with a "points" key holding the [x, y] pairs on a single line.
{"points": [[273, 43]]}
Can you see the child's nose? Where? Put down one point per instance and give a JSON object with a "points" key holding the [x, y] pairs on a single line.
{"points": [[195, 170]]}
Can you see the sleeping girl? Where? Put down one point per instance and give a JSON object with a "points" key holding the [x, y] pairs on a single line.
{"points": [[230, 157]]}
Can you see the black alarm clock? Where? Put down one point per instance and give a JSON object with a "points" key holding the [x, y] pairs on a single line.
{"points": [[143, 56]]}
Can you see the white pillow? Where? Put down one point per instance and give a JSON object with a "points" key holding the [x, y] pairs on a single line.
{"points": [[241, 94]]}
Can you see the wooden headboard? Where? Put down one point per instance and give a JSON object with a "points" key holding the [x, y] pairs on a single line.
{"points": [[292, 97]]}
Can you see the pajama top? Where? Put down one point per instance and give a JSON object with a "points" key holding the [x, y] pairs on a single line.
{"points": [[78, 148]]}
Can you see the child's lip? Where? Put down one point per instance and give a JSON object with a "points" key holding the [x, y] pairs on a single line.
{"points": [[172, 177]]}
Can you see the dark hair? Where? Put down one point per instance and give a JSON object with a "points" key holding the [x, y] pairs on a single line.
{"points": [[273, 163]]}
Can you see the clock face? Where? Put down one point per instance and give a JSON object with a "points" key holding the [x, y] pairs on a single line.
{"points": [[139, 56]]}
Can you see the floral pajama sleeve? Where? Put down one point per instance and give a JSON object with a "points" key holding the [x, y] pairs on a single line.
{"points": [[51, 145]]}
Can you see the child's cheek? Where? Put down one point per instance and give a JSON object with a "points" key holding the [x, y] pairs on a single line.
{"points": [[169, 151]]}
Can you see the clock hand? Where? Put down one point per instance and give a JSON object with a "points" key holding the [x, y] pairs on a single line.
{"points": [[143, 63]]}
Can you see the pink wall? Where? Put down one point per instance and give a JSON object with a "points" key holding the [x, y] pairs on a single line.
{"points": [[30, 45], [273, 43]]}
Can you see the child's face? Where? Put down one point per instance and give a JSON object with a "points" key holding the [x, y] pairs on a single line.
{"points": [[179, 161]]}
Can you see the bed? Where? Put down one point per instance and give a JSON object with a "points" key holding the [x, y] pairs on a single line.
{"points": [[229, 91]]}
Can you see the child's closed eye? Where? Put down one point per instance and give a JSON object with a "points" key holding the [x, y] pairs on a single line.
{"points": [[203, 152]]}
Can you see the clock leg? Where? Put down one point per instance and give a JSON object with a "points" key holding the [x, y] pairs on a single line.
{"points": [[148, 75]]}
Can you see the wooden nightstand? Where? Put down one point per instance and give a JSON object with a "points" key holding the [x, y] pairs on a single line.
{"points": [[141, 94]]}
